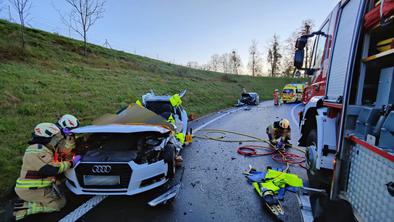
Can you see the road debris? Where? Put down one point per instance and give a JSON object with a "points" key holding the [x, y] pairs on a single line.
{"points": [[166, 197]]}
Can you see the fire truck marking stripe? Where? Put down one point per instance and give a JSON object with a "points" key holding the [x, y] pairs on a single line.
{"points": [[372, 148]]}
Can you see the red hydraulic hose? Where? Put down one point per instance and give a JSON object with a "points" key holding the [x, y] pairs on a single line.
{"points": [[280, 156]]}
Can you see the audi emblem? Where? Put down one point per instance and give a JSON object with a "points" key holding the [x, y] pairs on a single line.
{"points": [[101, 169]]}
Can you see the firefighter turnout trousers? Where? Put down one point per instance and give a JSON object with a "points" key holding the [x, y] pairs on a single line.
{"points": [[42, 200]]}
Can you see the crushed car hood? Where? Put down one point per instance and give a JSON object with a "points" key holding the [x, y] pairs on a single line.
{"points": [[131, 120]]}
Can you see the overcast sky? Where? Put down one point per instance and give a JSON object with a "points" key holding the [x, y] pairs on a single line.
{"points": [[186, 30]]}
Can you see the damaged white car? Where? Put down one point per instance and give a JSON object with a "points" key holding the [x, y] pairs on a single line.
{"points": [[124, 154]]}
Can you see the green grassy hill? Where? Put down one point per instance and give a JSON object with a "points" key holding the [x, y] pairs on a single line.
{"points": [[51, 78]]}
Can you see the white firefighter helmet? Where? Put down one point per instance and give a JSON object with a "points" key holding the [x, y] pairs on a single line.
{"points": [[68, 121], [284, 123], [46, 130]]}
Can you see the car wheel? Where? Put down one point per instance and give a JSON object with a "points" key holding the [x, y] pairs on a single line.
{"points": [[320, 179], [169, 158]]}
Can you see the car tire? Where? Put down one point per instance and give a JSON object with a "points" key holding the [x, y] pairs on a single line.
{"points": [[320, 179], [169, 158]]}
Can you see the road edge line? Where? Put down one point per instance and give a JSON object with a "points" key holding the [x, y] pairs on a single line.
{"points": [[83, 209], [215, 119]]}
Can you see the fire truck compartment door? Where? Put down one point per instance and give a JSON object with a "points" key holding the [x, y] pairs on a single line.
{"points": [[344, 48], [326, 140]]}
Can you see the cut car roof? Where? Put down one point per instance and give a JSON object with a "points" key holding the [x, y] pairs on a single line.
{"points": [[157, 98], [117, 128], [133, 119]]}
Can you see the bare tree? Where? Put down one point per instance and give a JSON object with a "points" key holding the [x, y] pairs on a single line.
{"points": [[255, 64], [83, 15], [22, 7], [224, 63], [274, 55], [288, 54], [235, 62], [214, 63], [193, 64]]}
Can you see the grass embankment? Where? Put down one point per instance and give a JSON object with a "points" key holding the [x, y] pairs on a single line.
{"points": [[51, 78]]}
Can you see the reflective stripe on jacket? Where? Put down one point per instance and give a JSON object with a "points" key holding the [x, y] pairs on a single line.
{"points": [[39, 183]]}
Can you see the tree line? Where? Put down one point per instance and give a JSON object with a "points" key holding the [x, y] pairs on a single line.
{"points": [[277, 62]]}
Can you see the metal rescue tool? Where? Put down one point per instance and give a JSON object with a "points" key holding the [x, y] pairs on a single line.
{"points": [[169, 195]]}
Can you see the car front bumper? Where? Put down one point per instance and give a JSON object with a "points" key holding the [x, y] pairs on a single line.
{"points": [[134, 178]]}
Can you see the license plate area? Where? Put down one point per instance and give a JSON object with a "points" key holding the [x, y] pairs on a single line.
{"points": [[99, 180]]}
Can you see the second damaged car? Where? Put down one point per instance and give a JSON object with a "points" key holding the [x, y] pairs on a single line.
{"points": [[124, 154]]}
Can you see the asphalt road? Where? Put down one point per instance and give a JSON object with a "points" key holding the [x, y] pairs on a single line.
{"points": [[213, 187]]}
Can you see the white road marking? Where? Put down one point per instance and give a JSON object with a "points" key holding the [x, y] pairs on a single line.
{"points": [[213, 120], [292, 114], [83, 209], [94, 201]]}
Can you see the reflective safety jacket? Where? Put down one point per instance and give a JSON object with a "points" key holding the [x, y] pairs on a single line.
{"points": [[275, 132], [275, 180], [39, 168], [180, 136]]}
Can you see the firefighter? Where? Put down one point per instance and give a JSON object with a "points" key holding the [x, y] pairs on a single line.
{"points": [[176, 101], [66, 123], [276, 97], [36, 184], [279, 133]]}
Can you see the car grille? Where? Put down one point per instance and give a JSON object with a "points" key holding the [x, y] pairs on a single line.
{"points": [[122, 170]]}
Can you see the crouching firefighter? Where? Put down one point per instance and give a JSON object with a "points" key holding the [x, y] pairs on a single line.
{"points": [[279, 133], [36, 184]]}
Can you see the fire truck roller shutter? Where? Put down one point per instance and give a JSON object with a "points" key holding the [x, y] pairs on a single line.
{"points": [[345, 41]]}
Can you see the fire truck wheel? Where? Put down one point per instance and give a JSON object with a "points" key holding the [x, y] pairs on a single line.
{"points": [[169, 158], [317, 178]]}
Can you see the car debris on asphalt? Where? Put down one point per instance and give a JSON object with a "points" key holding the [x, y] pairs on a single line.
{"points": [[166, 197]]}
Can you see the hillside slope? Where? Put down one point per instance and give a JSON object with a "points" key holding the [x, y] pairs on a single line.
{"points": [[51, 78]]}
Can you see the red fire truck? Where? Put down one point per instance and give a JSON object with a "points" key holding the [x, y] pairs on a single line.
{"points": [[349, 129]]}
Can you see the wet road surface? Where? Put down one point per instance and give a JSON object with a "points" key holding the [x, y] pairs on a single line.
{"points": [[213, 186]]}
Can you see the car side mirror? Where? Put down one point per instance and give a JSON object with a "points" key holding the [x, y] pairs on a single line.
{"points": [[299, 58]]}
